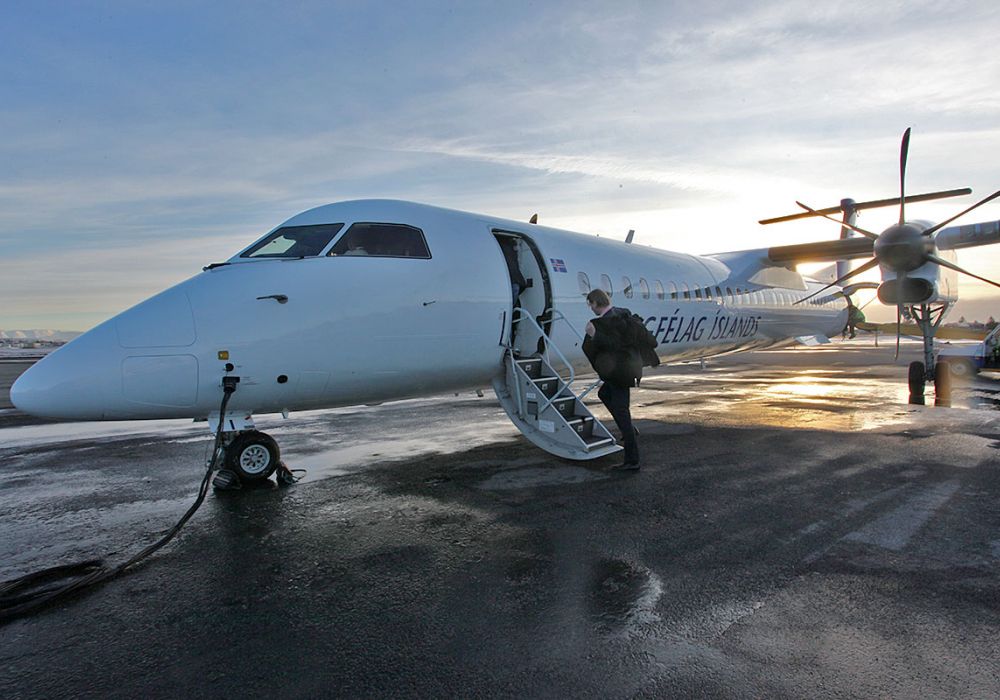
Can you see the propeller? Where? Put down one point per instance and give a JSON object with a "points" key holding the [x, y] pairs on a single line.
{"points": [[903, 247]]}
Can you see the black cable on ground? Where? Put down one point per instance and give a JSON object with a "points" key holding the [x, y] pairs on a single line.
{"points": [[21, 595]]}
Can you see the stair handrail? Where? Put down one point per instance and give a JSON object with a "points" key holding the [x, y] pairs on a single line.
{"points": [[521, 315], [597, 383], [517, 383], [553, 315], [562, 317]]}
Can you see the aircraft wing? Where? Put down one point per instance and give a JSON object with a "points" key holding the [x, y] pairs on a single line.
{"points": [[822, 251]]}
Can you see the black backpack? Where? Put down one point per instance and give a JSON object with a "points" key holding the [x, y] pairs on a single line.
{"points": [[643, 340], [639, 336]]}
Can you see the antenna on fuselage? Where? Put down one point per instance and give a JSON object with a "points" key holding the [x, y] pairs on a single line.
{"points": [[631, 233], [533, 219]]}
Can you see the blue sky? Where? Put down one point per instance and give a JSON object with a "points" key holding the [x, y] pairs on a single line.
{"points": [[144, 140]]}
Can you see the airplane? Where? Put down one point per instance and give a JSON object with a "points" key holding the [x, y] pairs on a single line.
{"points": [[367, 301]]}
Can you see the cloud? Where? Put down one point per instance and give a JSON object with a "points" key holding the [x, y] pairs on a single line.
{"points": [[175, 131]]}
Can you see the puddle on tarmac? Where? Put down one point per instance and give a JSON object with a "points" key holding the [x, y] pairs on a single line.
{"points": [[622, 596], [824, 399], [981, 391]]}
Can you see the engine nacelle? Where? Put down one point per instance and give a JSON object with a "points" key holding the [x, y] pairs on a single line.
{"points": [[909, 290], [928, 284]]}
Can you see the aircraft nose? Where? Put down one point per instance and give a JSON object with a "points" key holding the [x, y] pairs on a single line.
{"points": [[69, 383]]}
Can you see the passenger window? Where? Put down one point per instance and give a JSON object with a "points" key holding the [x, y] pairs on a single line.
{"points": [[708, 293], [627, 287], [584, 282], [660, 294], [382, 241], [718, 293], [606, 285], [644, 288], [697, 294], [673, 290], [684, 288], [294, 242]]}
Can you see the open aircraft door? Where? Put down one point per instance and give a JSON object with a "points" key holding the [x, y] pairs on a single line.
{"points": [[531, 292]]}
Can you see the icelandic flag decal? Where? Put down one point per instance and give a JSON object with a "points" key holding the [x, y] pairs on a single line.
{"points": [[558, 265]]}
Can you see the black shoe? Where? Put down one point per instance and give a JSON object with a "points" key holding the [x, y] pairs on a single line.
{"points": [[626, 467]]}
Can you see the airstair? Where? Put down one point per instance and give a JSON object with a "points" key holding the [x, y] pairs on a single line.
{"points": [[542, 403]]}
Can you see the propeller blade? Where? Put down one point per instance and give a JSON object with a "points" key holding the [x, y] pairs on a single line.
{"points": [[904, 149], [938, 227], [857, 271], [866, 234], [899, 313], [945, 263], [874, 204]]}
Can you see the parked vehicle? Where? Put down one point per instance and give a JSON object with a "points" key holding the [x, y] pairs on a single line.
{"points": [[967, 360]]}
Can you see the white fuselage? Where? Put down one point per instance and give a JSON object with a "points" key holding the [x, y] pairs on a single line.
{"points": [[358, 329]]}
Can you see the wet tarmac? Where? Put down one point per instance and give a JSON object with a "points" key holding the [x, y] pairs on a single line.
{"points": [[797, 530]]}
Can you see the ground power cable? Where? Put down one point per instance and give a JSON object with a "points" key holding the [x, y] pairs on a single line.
{"points": [[34, 591]]}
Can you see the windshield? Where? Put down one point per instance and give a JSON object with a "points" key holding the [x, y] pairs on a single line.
{"points": [[294, 242]]}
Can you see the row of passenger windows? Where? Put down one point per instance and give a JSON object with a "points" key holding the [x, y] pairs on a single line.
{"points": [[673, 291], [367, 239]]}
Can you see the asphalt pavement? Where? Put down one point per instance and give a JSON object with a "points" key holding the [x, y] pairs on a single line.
{"points": [[797, 530]]}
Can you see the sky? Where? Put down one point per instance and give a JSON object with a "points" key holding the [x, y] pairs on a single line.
{"points": [[144, 140]]}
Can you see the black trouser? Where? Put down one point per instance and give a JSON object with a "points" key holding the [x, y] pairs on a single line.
{"points": [[616, 400]]}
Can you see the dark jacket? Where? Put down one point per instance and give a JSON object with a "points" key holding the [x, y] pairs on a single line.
{"points": [[621, 346]]}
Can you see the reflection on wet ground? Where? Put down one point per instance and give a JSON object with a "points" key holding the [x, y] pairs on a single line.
{"points": [[980, 391], [832, 400]]}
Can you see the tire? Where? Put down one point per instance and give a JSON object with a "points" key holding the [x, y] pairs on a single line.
{"points": [[942, 384], [917, 378], [253, 455]]}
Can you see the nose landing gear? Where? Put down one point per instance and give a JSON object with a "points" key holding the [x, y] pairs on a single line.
{"points": [[247, 454], [253, 455]]}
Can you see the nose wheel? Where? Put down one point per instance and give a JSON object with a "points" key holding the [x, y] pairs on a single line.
{"points": [[252, 455]]}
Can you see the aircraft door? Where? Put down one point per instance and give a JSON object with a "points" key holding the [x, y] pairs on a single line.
{"points": [[531, 291]]}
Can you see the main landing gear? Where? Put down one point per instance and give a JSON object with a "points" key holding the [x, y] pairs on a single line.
{"points": [[929, 319], [942, 384]]}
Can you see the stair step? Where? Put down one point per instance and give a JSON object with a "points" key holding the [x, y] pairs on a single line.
{"points": [[532, 367], [583, 425], [565, 405], [547, 385], [597, 441]]}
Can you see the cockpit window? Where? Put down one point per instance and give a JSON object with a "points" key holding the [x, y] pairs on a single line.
{"points": [[382, 241], [294, 242]]}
